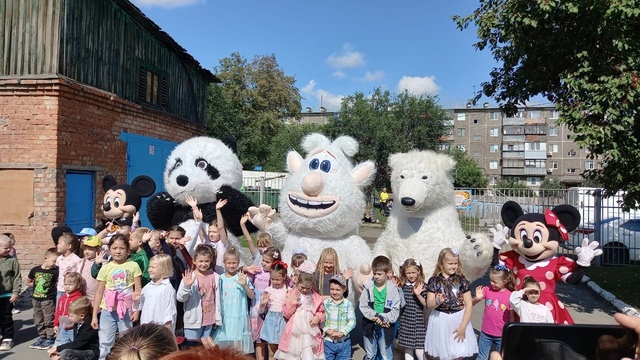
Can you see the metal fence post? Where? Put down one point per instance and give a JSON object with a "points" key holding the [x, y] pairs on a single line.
{"points": [[261, 190], [597, 223]]}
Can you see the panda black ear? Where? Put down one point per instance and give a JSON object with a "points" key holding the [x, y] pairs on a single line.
{"points": [[510, 212], [568, 215], [108, 182], [230, 142], [144, 185]]}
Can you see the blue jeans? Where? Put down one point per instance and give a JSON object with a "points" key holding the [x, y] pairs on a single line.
{"points": [[195, 334], [63, 336], [485, 344], [337, 351], [377, 344], [110, 323]]}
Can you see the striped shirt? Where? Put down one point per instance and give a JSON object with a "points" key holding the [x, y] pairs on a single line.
{"points": [[339, 316]]}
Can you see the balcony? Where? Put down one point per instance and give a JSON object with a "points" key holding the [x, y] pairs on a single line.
{"points": [[513, 138], [513, 121], [512, 171], [535, 171], [513, 154], [535, 154]]}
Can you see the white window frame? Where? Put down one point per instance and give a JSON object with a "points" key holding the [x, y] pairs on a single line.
{"points": [[554, 114], [571, 170], [462, 117], [461, 132], [495, 115], [553, 131], [494, 132], [494, 148], [493, 164], [589, 165]]}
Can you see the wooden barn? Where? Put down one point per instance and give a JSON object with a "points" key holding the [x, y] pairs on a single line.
{"points": [[87, 88]]}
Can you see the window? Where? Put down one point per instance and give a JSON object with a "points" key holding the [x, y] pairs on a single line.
{"points": [[462, 117], [477, 154], [553, 131], [554, 114], [462, 131], [535, 114], [553, 148], [535, 163], [571, 171], [462, 148], [152, 86], [571, 152], [553, 164], [443, 146], [494, 148], [477, 137], [589, 165], [494, 132], [476, 121], [568, 136], [533, 181], [535, 146], [450, 131], [493, 165], [495, 115], [494, 180]]}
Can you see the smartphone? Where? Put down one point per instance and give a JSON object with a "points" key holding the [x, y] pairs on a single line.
{"points": [[569, 342]]}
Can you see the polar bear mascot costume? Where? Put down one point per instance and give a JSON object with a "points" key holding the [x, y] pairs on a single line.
{"points": [[321, 202], [424, 219]]}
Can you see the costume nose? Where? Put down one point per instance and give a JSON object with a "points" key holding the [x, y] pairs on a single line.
{"points": [[527, 243], [182, 180], [407, 201], [312, 183], [106, 206]]}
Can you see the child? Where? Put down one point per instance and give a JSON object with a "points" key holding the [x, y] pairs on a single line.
{"points": [[412, 330], [85, 344], [44, 279], [157, 300], [340, 319], [72, 292], [380, 304], [497, 311], [530, 310], [68, 261], [12, 253], [330, 266], [145, 342], [297, 259], [271, 302], [91, 246], [264, 241], [235, 288], [10, 286], [449, 331], [137, 253], [85, 234], [117, 281], [302, 337], [217, 233], [200, 294]]}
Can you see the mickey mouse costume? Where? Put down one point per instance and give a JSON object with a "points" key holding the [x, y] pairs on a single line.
{"points": [[534, 239]]}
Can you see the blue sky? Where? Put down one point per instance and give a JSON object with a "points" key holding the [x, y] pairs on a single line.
{"points": [[335, 48]]}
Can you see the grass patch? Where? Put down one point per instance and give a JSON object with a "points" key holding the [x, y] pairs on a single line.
{"points": [[622, 281]]}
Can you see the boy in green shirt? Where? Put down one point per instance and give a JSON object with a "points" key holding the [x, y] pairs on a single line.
{"points": [[137, 253]]}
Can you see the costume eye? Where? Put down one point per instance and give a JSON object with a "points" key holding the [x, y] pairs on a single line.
{"points": [[424, 177], [314, 164], [537, 236], [116, 202], [325, 165], [401, 176], [202, 164], [108, 201], [523, 234], [178, 164]]}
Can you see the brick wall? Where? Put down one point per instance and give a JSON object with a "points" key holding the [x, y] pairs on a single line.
{"points": [[55, 125]]}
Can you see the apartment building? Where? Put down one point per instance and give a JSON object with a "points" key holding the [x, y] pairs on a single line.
{"points": [[528, 147]]}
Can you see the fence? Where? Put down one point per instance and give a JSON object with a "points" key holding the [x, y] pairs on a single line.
{"points": [[602, 219], [263, 189]]}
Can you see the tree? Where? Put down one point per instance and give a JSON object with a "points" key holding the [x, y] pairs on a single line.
{"points": [[251, 105], [584, 56], [287, 138], [385, 124], [551, 187], [466, 174], [513, 188]]}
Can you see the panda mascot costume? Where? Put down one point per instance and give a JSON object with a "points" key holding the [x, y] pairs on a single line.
{"points": [[209, 170], [534, 240]]}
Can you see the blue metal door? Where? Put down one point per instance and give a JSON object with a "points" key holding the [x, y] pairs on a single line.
{"points": [[146, 156], [80, 200]]}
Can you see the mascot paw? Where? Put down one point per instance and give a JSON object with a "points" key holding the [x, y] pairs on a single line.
{"points": [[587, 252], [362, 276], [500, 234], [262, 217], [476, 255]]}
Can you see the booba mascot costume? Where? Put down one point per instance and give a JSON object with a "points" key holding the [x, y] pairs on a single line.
{"points": [[534, 239], [321, 202], [424, 219]]}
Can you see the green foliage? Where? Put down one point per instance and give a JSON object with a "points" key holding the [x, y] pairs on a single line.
{"points": [[512, 188], [551, 187], [287, 138], [584, 56], [385, 124], [466, 174], [251, 104]]}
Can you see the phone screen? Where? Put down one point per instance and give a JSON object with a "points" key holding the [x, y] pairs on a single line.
{"points": [[569, 342]]}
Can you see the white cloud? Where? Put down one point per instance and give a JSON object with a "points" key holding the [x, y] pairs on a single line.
{"points": [[339, 74], [308, 89], [330, 101], [419, 85], [373, 76], [168, 4], [347, 59]]}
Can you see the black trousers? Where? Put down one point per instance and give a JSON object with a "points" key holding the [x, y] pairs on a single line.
{"points": [[6, 318]]}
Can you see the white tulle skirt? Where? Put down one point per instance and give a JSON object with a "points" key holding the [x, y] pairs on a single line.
{"points": [[303, 342], [439, 341]]}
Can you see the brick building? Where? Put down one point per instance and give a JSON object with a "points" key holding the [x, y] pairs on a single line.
{"points": [[87, 88]]}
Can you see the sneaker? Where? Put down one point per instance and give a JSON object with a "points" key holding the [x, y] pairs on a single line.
{"points": [[46, 344], [37, 343], [6, 345], [15, 311]]}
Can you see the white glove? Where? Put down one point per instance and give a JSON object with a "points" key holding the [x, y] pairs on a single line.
{"points": [[500, 234], [262, 216], [587, 252]]}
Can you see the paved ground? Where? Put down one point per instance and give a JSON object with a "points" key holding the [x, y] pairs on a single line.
{"points": [[585, 307]]}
